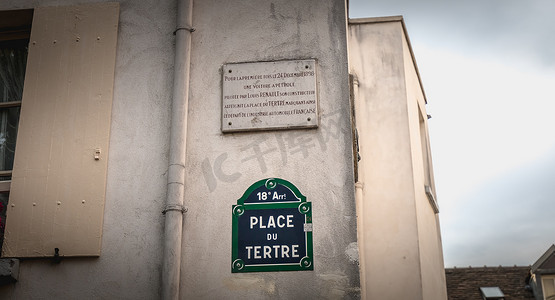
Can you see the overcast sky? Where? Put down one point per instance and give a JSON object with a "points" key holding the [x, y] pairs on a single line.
{"points": [[488, 69]]}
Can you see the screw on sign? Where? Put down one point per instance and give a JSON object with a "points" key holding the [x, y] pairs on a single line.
{"points": [[272, 229]]}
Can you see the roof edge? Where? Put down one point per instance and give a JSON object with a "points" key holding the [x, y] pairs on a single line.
{"points": [[487, 267], [543, 258], [375, 20], [357, 21]]}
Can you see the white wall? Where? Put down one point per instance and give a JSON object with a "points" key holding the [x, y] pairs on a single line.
{"points": [[129, 264], [429, 235], [220, 167], [390, 248], [399, 238]]}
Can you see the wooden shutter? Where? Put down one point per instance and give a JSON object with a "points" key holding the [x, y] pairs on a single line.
{"points": [[59, 176]]}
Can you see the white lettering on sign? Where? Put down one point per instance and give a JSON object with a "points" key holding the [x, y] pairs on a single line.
{"points": [[263, 196], [282, 221], [295, 250], [275, 251], [271, 236]]}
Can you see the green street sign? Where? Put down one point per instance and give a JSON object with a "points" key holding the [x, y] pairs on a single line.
{"points": [[272, 229]]}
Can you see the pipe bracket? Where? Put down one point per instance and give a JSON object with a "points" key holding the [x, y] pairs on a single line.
{"points": [[190, 29], [175, 207]]}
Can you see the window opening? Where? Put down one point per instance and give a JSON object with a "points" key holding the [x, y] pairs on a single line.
{"points": [[428, 178], [15, 29], [492, 293], [548, 286]]}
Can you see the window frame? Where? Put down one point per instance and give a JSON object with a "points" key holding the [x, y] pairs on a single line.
{"points": [[544, 278], [429, 186], [15, 31], [5, 184], [14, 25]]}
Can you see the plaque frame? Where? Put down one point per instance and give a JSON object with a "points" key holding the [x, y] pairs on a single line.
{"points": [[271, 95]]}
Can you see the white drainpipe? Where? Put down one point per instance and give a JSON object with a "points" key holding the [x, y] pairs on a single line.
{"points": [[174, 210]]}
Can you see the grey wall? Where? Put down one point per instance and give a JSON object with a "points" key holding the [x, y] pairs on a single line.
{"points": [[129, 265], [220, 167]]}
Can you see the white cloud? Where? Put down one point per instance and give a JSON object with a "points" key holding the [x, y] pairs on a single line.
{"points": [[488, 68]]}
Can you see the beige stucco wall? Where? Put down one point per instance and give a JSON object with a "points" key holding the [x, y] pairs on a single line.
{"points": [[429, 235], [398, 230], [222, 166]]}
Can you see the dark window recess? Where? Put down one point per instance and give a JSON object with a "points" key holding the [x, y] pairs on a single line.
{"points": [[15, 29]]}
